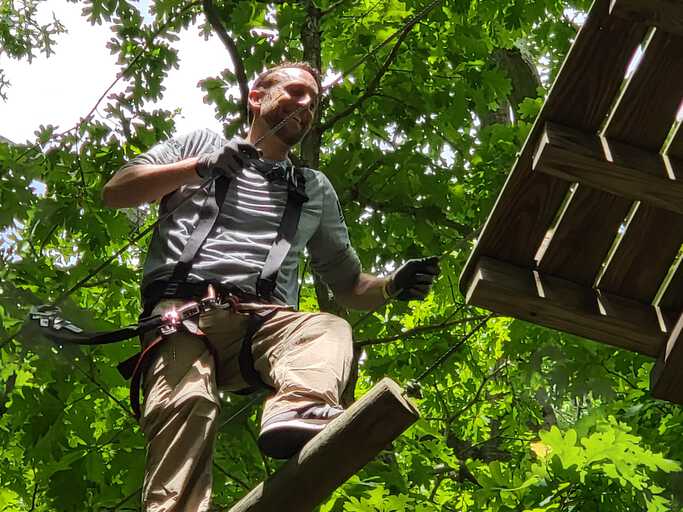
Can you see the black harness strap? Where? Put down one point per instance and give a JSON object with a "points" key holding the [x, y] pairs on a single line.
{"points": [[296, 197], [208, 216], [246, 358]]}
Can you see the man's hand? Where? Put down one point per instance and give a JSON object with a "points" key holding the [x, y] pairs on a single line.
{"points": [[228, 160], [413, 280]]}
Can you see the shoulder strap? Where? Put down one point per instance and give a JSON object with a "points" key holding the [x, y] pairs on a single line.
{"points": [[296, 197], [208, 215]]}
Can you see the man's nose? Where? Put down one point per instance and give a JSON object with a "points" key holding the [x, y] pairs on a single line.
{"points": [[305, 100]]}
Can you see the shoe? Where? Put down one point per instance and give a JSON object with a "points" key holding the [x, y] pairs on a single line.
{"points": [[285, 434]]}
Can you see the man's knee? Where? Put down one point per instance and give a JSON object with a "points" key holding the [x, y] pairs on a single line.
{"points": [[335, 325]]}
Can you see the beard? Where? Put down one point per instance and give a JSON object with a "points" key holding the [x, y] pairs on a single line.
{"points": [[291, 133]]}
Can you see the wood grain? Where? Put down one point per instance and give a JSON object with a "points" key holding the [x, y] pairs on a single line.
{"points": [[566, 306], [666, 379], [672, 300], [666, 15], [581, 98], [338, 452], [633, 173], [644, 118]]}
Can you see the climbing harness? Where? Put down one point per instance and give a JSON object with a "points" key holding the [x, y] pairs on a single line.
{"points": [[202, 296]]}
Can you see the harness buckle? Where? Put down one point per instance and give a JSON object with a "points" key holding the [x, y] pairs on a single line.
{"points": [[188, 311], [168, 329]]}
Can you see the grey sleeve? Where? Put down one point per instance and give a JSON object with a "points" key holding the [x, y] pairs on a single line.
{"points": [[178, 148], [332, 256]]}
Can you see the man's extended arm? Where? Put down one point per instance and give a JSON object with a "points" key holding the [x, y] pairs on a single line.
{"points": [[412, 281], [367, 293]]}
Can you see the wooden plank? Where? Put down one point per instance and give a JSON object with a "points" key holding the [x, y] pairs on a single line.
{"points": [[672, 300], [673, 296], [644, 118], [632, 173], [644, 255], [676, 148], [666, 15], [581, 98], [330, 458], [666, 378], [566, 306], [583, 238], [648, 108]]}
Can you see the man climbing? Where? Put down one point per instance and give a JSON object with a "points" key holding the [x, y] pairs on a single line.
{"points": [[244, 235]]}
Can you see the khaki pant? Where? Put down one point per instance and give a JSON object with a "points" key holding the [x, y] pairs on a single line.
{"points": [[305, 357]]}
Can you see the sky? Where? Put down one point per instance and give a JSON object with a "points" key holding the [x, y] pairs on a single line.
{"points": [[61, 89]]}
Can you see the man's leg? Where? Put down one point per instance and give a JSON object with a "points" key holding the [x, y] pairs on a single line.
{"points": [[179, 421], [306, 358]]}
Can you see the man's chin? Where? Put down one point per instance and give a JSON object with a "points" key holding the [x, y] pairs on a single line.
{"points": [[291, 138]]}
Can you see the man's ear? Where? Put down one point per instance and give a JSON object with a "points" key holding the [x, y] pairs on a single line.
{"points": [[255, 98]]}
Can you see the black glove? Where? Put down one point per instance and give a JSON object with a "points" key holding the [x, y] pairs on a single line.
{"points": [[228, 160], [414, 279]]}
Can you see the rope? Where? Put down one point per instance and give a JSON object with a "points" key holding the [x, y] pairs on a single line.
{"points": [[413, 387]]}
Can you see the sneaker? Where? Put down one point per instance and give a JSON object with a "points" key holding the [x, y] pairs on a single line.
{"points": [[285, 434]]}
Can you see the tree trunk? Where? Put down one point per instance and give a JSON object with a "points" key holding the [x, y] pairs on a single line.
{"points": [[525, 82]]}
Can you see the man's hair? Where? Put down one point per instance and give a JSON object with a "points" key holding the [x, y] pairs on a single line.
{"points": [[266, 79]]}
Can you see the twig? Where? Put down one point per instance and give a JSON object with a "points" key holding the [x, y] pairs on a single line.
{"points": [[331, 8], [231, 477], [214, 19], [415, 331], [266, 467], [104, 390], [369, 90], [124, 500], [35, 491], [475, 398]]}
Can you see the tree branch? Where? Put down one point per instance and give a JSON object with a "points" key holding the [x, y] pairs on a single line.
{"points": [[214, 19], [428, 212], [415, 331], [331, 8], [240, 482], [475, 398], [369, 90]]}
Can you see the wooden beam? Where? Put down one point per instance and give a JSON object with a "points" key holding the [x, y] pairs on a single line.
{"points": [[566, 306], [666, 15], [666, 379], [336, 453], [581, 97], [632, 173], [643, 117]]}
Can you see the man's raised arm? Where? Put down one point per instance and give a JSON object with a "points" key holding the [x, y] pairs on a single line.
{"points": [[170, 165], [143, 183]]}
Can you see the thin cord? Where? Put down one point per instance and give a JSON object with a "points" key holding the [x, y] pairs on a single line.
{"points": [[443, 357]]}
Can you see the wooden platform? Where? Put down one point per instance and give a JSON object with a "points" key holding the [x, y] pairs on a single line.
{"points": [[586, 234]]}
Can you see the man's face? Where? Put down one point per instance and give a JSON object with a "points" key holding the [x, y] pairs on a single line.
{"points": [[293, 90]]}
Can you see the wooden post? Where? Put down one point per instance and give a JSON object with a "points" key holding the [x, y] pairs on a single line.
{"points": [[329, 459]]}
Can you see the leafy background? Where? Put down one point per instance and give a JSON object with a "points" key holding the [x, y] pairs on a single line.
{"points": [[418, 145]]}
